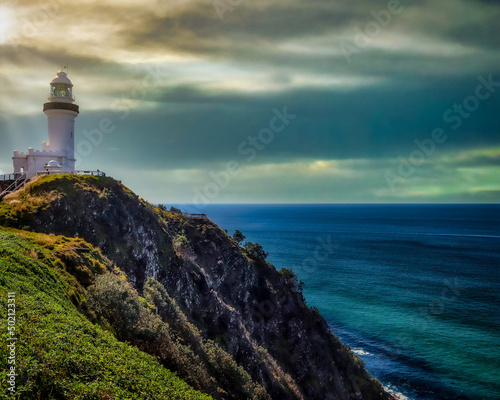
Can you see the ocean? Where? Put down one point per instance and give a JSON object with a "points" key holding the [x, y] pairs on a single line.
{"points": [[414, 290]]}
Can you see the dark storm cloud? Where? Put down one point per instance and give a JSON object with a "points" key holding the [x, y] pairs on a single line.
{"points": [[191, 127], [80, 63], [197, 27], [276, 21], [257, 38], [267, 55], [476, 26]]}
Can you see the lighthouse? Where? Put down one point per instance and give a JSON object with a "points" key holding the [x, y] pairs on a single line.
{"points": [[58, 152], [61, 113]]}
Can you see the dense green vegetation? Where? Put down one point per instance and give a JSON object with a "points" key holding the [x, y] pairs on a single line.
{"points": [[60, 353]]}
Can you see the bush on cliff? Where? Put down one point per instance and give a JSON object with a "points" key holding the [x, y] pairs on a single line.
{"points": [[238, 237], [255, 251]]}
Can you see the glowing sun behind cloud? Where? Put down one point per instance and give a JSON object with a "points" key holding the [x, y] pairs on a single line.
{"points": [[6, 23]]}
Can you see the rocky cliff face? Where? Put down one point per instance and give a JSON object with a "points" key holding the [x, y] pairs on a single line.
{"points": [[249, 308]]}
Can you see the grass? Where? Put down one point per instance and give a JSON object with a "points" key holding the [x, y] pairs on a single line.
{"points": [[61, 354], [18, 208]]}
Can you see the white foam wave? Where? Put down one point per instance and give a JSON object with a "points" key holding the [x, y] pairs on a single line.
{"points": [[361, 352], [392, 390]]}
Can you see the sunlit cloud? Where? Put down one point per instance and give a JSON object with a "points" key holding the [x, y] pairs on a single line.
{"points": [[7, 22]]}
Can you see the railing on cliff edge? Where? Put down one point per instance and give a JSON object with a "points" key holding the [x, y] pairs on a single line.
{"points": [[77, 172], [16, 175], [10, 177], [193, 215], [18, 183]]}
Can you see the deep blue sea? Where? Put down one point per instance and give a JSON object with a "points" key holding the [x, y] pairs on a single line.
{"points": [[413, 289]]}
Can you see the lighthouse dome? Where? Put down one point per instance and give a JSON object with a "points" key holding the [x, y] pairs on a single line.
{"points": [[61, 77], [53, 164]]}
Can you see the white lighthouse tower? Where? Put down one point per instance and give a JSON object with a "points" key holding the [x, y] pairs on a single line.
{"points": [[58, 152], [61, 113]]}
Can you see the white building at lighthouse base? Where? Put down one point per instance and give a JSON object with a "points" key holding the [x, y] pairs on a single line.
{"points": [[36, 161]]}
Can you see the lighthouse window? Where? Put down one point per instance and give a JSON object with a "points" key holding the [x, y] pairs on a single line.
{"points": [[60, 91]]}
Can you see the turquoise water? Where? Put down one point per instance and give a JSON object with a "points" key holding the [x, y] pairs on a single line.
{"points": [[413, 289]]}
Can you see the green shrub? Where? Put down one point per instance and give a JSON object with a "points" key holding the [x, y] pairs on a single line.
{"points": [[112, 298], [291, 279], [255, 251], [238, 237], [105, 194], [180, 243]]}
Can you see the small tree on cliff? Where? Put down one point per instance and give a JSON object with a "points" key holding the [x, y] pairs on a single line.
{"points": [[255, 251], [238, 236]]}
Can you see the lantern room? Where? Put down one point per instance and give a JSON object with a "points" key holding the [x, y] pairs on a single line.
{"points": [[61, 88]]}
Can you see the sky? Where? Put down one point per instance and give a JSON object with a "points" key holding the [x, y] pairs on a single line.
{"points": [[243, 101]]}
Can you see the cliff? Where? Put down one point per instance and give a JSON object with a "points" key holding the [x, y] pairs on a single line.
{"points": [[211, 298]]}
